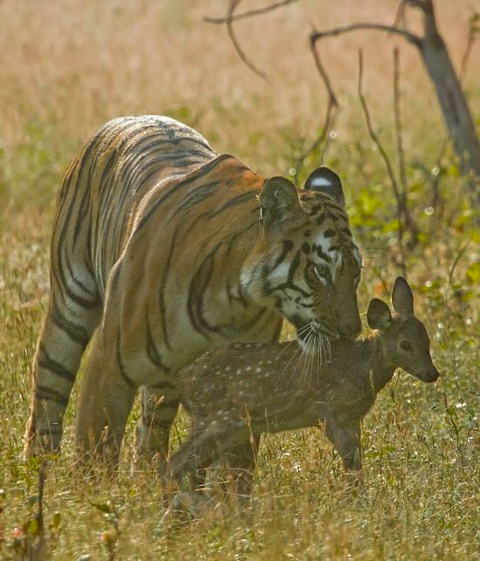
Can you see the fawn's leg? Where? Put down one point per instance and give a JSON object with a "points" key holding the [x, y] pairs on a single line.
{"points": [[105, 402], [242, 459], [346, 439], [203, 447]]}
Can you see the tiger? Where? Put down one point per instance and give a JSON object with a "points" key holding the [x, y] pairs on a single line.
{"points": [[162, 249]]}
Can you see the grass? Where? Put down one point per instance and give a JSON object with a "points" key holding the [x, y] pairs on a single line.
{"points": [[65, 69]]}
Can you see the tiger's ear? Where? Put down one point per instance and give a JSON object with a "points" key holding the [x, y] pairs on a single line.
{"points": [[278, 201], [324, 180]]}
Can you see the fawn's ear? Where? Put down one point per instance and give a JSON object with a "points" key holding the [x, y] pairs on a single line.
{"points": [[378, 314], [278, 201], [402, 297], [324, 180]]}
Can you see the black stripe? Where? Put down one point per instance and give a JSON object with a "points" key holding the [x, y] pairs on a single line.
{"points": [[43, 393], [75, 332], [77, 281], [237, 295], [193, 176], [235, 201], [198, 284], [152, 351], [120, 364], [287, 246], [319, 251], [268, 290], [45, 361], [293, 268], [198, 195], [234, 237], [58, 275]]}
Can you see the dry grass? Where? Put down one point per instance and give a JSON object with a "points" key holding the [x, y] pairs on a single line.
{"points": [[67, 67]]}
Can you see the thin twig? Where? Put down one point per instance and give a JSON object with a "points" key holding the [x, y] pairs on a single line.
{"points": [[398, 120], [400, 15], [411, 37], [229, 21], [412, 227], [386, 160], [456, 261], [473, 32], [249, 14], [332, 98], [330, 114]]}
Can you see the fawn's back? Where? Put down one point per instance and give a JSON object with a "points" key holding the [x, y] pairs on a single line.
{"points": [[277, 386]]}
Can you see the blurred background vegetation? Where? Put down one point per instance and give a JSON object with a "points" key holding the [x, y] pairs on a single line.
{"points": [[65, 68]]}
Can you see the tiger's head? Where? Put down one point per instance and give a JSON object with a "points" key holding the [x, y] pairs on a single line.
{"points": [[305, 264]]}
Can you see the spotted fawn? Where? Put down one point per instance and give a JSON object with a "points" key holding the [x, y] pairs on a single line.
{"points": [[235, 393]]}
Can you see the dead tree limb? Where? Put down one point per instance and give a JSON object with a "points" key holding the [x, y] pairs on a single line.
{"points": [[233, 38]]}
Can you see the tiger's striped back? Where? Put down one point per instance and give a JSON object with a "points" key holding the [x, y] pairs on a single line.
{"points": [[123, 162]]}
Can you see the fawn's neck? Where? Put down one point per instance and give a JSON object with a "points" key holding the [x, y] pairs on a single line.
{"points": [[380, 369]]}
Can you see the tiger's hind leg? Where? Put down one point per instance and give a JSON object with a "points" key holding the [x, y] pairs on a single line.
{"points": [[105, 401], [67, 329]]}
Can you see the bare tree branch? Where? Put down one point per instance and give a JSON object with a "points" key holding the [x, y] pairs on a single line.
{"points": [[233, 38], [251, 13]]}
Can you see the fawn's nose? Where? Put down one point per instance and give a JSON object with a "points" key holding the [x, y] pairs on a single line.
{"points": [[430, 375], [433, 375]]}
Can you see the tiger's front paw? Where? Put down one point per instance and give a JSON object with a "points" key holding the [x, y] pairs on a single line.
{"points": [[151, 441], [40, 441]]}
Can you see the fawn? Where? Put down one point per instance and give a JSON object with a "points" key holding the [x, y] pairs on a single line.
{"points": [[235, 393]]}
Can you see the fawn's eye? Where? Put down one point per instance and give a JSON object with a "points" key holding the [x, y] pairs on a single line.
{"points": [[406, 346]]}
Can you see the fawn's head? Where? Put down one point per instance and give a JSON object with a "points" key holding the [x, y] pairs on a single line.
{"points": [[405, 342]]}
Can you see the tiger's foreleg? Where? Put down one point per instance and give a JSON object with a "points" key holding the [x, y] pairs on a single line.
{"points": [[159, 409], [106, 399]]}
